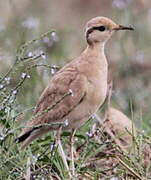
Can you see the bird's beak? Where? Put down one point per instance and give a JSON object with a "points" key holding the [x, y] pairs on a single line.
{"points": [[121, 27]]}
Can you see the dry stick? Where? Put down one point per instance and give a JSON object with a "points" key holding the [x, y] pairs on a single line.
{"points": [[130, 169], [32, 58], [28, 171]]}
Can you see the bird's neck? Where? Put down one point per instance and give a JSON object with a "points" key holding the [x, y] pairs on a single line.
{"points": [[97, 47], [95, 50]]}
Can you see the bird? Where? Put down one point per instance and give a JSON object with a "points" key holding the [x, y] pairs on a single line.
{"points": [[120, 125], [117, 130], [77, 90]]}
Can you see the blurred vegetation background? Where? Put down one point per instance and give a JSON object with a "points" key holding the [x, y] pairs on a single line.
{"points": [[128, 53]]}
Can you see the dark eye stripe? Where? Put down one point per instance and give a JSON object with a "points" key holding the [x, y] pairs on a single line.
{"points": [[99, 28]]}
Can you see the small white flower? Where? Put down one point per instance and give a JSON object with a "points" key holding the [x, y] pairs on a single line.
{"points": [[30, 54], [114, 178], [1, 86], [43, 56], [23, 75], [54, 66], [66, 123], [7, 79], [2, 137], [52, 147], [53, 71], [14, 92], [54, 37], [89, 134], [70, 90], [28, 76], [7, 109], [34, 159], [93, 116]]}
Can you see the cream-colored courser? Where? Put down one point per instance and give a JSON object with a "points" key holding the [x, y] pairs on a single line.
{"points": [[85, 76]]}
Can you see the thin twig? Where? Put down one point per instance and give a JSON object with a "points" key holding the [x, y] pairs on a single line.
{"points": [[28, 171], [23, 47], [43, 65], [130, 169], [7, 73]]}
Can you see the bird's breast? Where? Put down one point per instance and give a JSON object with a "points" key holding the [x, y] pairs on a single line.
{"points": [[95, 96], [97, 90]]}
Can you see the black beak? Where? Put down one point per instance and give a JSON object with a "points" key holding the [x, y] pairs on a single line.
{"points": [[121, 27]]}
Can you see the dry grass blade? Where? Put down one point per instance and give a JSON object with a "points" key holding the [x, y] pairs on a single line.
{"points": [[130, 169], [28, 171]]}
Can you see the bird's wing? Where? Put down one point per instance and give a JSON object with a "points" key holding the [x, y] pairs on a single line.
{"points": [[52, 97], [63, 94]]}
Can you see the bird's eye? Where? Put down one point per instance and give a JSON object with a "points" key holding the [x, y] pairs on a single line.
{"points": [[101, 28]]}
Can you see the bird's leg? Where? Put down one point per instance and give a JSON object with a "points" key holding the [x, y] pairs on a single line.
{"points": [[72, 151], [109, 94], [61, 151], [110, 87]]}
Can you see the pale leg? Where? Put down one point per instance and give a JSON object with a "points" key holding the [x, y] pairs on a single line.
{"points": [[61, 151], [72, 151]]}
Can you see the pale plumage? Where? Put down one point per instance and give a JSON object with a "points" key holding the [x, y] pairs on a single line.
{"points": [[85, 76]]}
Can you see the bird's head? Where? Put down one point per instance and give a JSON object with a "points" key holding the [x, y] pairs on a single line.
{"points": [[100, 29]]}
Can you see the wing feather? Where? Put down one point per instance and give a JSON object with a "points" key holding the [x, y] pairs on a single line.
{"points": [[57, 88]]}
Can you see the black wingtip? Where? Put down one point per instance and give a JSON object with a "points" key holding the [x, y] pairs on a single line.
{"points": [[23, 137]]}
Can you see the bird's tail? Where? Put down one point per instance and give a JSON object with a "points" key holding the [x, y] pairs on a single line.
{"points": [[24, 136], [29, 136]]}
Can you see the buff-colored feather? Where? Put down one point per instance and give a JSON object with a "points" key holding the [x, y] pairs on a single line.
{"points": [[85, 77]]}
